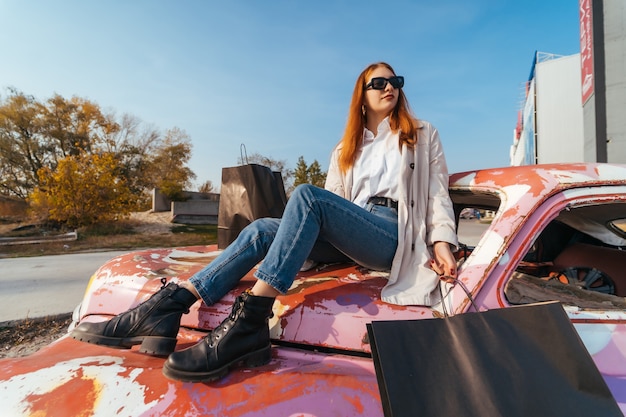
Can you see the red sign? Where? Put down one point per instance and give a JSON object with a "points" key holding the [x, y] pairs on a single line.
{"points": [[586, 50]]}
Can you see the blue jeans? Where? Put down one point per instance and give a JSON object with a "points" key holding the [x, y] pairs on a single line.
{"points": [[317, 225]]}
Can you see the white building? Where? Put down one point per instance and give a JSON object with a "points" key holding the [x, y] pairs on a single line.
{"points": [[550, 124], [574, 108]]}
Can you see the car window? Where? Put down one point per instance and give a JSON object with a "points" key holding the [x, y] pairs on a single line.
{"points": [[579, 258], [474, 212], [472, 224]]}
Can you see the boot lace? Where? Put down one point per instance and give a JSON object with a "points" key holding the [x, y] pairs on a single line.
{"points": [[236, 308]]}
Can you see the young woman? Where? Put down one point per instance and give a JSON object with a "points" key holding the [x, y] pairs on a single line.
{"points": [[387, 183]]}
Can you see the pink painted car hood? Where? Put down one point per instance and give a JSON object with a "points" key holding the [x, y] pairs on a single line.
{"points": [[327, 307], [326, 310]]}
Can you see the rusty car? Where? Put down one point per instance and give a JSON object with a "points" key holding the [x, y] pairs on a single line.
{"points": [[551, 232]]}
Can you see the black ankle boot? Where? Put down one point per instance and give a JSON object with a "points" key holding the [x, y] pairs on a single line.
{"points": [[243, 336], [153, 323]]}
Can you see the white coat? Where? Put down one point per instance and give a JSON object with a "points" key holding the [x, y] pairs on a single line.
{"points": [[425, 216]]}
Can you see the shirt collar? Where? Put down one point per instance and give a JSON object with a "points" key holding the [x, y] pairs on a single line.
{"points": [[383, 127]]}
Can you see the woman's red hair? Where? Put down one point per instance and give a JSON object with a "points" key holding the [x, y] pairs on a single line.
{"points": [[401, 118]]}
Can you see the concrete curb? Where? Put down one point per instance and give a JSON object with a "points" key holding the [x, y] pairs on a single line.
{"points": [[6, 241]]}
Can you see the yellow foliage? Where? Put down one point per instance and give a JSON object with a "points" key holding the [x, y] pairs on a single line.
{"points": [[83, 190]]}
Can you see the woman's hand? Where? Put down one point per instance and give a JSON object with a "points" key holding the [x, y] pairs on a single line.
{"points": [[444, 263]]}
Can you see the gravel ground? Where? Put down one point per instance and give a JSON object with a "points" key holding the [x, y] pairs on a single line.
{"points": [[24, 337]]}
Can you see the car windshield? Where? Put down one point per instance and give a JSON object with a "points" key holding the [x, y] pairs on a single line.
{"points": [[579, 258], [474, 212]]}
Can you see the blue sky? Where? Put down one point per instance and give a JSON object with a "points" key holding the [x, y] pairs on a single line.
{"points": [[278, 75]]}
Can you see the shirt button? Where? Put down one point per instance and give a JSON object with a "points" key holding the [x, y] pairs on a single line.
{"points": [[412, 165]]}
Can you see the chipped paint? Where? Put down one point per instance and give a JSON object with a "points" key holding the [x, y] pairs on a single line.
{"points": [[125, 383], [86, 378], [325, 308]]}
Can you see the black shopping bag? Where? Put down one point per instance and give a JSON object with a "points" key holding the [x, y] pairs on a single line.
{"points": [[248, 192], [525, 361]]}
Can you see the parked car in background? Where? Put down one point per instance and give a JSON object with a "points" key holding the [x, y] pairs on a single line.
{"points": [[558, 233], [469, 213]]}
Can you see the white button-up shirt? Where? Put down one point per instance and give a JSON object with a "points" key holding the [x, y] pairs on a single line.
{"points": [[377, 168]]}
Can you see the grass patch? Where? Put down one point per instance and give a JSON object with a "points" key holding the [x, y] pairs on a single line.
{"points": [[121, 227], [120, 235]]}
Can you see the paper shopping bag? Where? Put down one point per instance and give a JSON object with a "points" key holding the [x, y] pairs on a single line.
{"points": [[525, 361], [248, 192]]}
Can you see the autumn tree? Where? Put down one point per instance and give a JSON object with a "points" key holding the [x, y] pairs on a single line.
{"points": [[207, 187], [75, 126], [22, 154], [83, 189], [168, 165], [36, 136]]}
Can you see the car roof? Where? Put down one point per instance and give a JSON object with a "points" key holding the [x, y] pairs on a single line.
{"points": [[547, 177]]}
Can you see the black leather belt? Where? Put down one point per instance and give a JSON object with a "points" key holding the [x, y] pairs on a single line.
{"points": [[383, 201]]}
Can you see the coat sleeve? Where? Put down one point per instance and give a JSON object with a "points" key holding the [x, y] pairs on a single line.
{"points": [[440, 224], [334, 178]]}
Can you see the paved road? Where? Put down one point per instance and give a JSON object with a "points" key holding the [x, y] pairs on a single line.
{"points": [[470, 231], [46, 285]]}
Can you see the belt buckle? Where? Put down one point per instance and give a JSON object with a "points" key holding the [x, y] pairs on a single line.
{"points": [[382, 201]]}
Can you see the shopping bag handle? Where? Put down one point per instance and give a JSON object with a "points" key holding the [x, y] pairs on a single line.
{"points": [[242, 152], [448, 278]]}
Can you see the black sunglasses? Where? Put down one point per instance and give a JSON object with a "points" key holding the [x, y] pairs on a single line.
{"points": [[379, 83]]}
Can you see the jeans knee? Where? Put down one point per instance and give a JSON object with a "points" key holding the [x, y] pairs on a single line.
{"points": [[260, 233], [262, 226], [304, 191]]}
